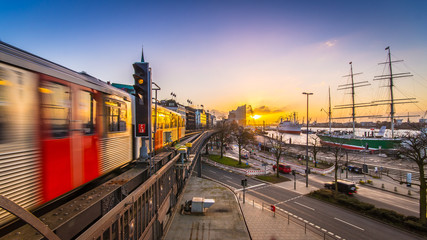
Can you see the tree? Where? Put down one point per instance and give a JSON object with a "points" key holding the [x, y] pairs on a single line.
{"points": [[315, 148], [223, 134], [242, 136], [279, 147], [414, 148], [338, 155]]}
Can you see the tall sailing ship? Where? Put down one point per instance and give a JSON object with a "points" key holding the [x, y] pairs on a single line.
{"points": [[371, 142]]}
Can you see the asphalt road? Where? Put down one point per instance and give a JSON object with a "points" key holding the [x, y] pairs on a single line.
{"points": [[339, 221]]}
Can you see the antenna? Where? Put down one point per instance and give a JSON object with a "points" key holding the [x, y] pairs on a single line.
{"points": [[142, 53]]}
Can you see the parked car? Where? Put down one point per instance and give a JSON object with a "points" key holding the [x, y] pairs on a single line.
{"points": [[283, 168], [346, 187], [244, 154], [355, 169]]}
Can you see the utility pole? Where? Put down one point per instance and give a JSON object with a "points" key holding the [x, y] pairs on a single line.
{"points": [[306, 147]]}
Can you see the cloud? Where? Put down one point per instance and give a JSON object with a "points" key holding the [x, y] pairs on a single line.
{"points": [[266, 110], [331, 43]]}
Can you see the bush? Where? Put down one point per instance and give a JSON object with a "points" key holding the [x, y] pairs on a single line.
{"points": [[325, 194], [354, 203], [415, 225], [388, 215]]}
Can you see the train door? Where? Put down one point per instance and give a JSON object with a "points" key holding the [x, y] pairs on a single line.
{"points": [[55, 100], [85, 138]]}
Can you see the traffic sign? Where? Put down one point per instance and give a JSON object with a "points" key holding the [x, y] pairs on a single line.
{"points": [[273, 208]]}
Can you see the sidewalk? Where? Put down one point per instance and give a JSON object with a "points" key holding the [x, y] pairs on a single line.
{"points": [[223, 220], [264, 226], [227, 220]]}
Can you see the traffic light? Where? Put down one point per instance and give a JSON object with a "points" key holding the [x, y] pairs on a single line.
{"points": [[142, 99]]}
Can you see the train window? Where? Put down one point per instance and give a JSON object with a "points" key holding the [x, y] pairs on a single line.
{"points": [[160, 121], [117, 115], [173, 121], [167, 121], [55, 108], [88, 112]]}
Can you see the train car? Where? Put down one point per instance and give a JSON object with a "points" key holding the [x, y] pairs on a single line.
{"points": [[170, 127], [59, 129]]}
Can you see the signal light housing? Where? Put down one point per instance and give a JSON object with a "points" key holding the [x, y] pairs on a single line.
{"points": [[143, 99]]}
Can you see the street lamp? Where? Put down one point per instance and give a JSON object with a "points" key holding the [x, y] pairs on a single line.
{"points": [[306, 148]]}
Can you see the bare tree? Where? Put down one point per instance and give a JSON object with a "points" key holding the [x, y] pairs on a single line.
{"points": [[315, 148], [338, 155], [279, 146], [414, 148], [242, 136], [223, 134]]}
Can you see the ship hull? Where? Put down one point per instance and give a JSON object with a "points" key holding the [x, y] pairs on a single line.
{"points": [[289, 127], [358, 143], [290, 131]]}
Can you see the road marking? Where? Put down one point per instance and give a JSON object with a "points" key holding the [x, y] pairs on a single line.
{"points": [[241, 189], [227, 177], [289, 199], [302, 205], [350, 224]]}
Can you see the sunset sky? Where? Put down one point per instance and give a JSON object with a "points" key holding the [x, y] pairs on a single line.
{"points": [[223, 54]]}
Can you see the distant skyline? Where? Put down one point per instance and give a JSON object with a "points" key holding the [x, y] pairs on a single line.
{"points": [[223, 54]]}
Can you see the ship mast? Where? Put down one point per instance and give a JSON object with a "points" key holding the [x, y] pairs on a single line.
{"points": [[392, 102], [353, 105], [353, 114], [391, 93]]}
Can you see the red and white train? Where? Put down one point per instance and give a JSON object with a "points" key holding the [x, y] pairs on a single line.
{"points": [[60, 129]]}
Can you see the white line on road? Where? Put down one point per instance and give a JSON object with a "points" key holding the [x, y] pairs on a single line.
{"points": [[227, 177], [349, 224], [241, 189], [302, 205], [289, 199]]}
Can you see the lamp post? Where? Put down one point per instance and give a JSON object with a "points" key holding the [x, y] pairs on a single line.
{"points": [[306, 148]]}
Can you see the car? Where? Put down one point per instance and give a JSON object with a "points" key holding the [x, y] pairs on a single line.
{"points": [[345, 187], [283, 168], [355, 169]]}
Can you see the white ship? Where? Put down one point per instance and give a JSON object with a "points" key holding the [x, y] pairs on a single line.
{"points": [[289, 126]]}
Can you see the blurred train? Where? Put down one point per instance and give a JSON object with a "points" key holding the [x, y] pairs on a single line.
{"points": [[60, 129]]}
